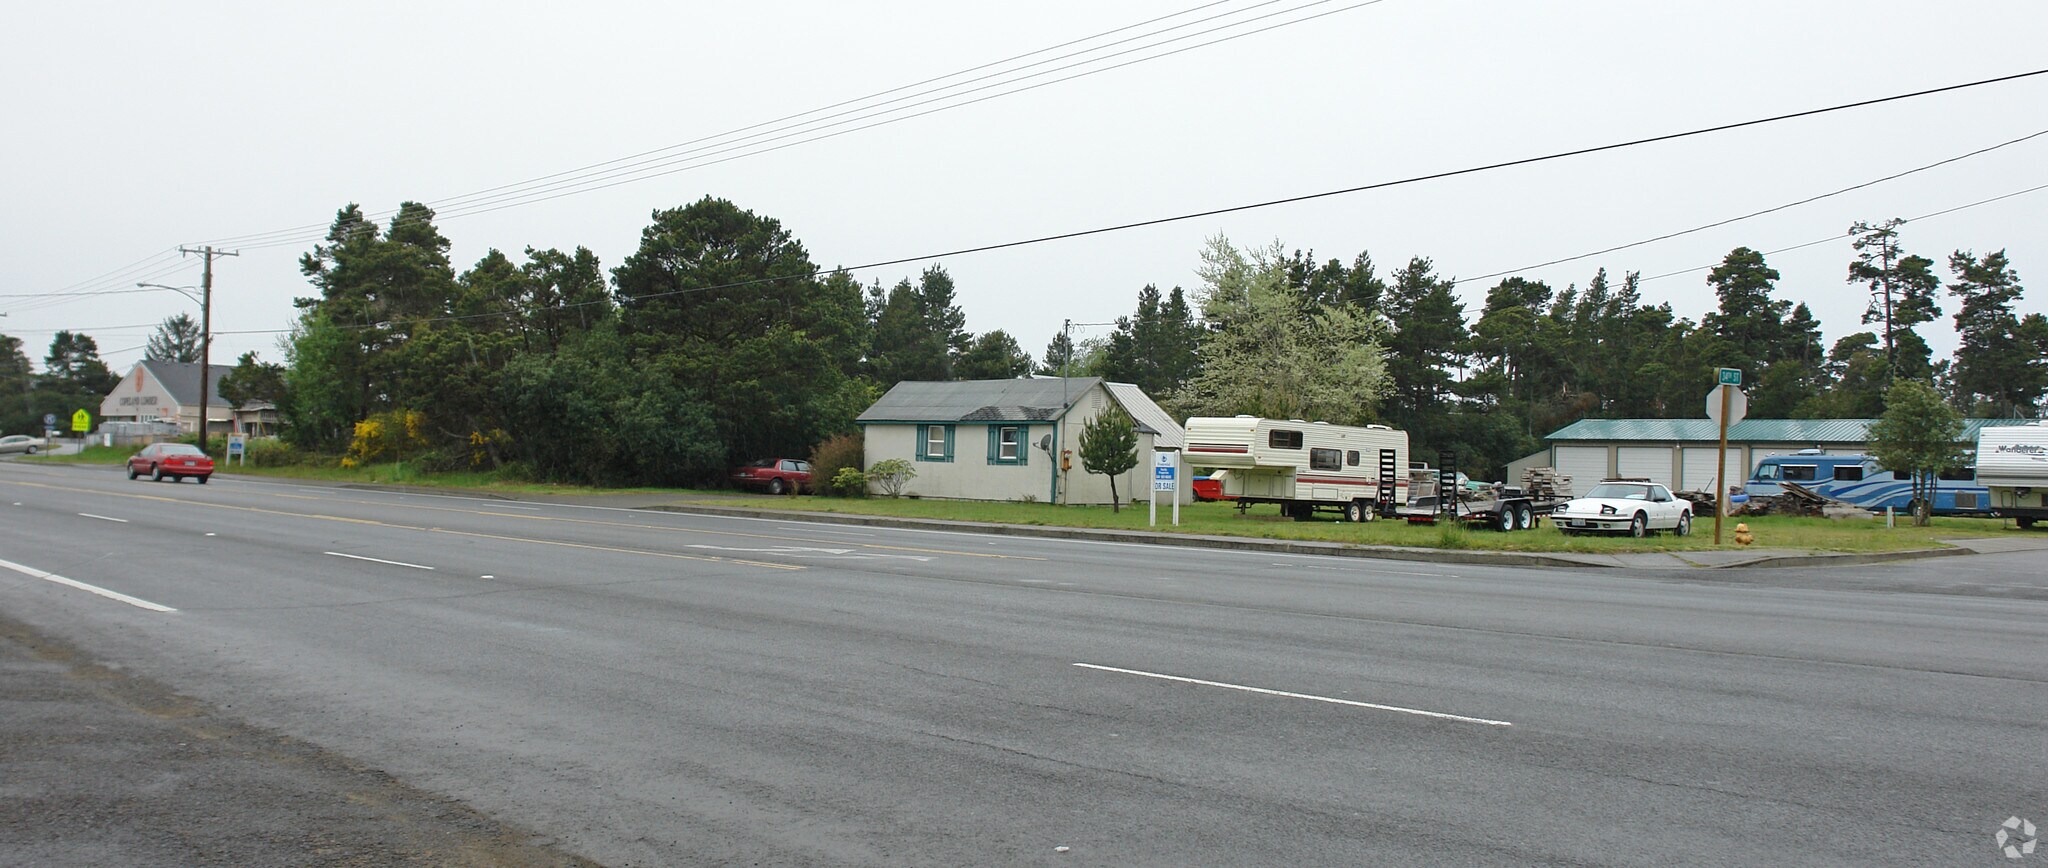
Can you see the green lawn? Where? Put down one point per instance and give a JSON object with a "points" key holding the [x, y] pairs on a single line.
{"points": [[1221, 519], [1806, 534]]}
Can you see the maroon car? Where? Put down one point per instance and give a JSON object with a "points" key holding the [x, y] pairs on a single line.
{"points": [[774, 475], [170, 460]]}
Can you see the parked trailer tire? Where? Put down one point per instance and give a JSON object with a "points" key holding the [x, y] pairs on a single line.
{"points": [[1358, 510], [1525, 516]]}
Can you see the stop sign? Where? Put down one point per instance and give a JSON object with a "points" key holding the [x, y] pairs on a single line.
{"points": [[1738, 404]]}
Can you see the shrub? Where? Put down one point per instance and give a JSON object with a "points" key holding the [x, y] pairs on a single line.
{"points": [[270, 452], [829, 462], [848, 482], [889, 476], [386, 436]]}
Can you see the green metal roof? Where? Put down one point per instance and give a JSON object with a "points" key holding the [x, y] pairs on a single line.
{"points": [[1814, 431]]}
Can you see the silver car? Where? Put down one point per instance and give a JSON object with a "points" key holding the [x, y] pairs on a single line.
{"points": [[23, 443]]}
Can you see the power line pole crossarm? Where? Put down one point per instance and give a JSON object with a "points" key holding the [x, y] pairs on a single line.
{"points": [[205, 334]]}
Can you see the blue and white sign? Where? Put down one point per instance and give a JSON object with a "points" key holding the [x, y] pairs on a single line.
{"points": [[1162, 471]]}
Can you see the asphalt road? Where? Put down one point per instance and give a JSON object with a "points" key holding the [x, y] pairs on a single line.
{"points": [[644, 688]]}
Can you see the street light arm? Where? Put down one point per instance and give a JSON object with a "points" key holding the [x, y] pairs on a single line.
{"points": [[185, 291]]}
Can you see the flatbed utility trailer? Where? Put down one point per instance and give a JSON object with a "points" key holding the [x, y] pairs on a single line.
{"points": [[1500, 506], [1503, 511]]}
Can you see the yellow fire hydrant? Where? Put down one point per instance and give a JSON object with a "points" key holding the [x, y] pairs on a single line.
{"points": [[1742, 535]]}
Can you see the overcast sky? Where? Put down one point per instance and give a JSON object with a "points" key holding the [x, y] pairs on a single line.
{"points": [[137, 127]]}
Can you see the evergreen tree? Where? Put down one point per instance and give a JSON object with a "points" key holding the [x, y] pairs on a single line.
{"points": [[1109, 446], [1428, 340], [1059, 355], [176, 339], [993, 356], [1750, 322], [1155, 348], [1902, 295], [73, 367], [1996, 363]]}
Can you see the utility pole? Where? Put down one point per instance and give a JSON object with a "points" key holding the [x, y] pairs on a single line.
{"points": [[205, 333]]}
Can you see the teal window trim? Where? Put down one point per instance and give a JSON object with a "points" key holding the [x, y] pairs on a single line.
{"points": [[928, 433], [1020, 436]]}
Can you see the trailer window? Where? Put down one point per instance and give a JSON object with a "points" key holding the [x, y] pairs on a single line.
{"points": [[1959, 474], [1799, 472], [1325, 459], [1849, 473], [1351, 458], [1767, 471], [1902, 474], [1284, 439]]}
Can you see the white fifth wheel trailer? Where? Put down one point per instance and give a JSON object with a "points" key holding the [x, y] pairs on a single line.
{"points": [[2012, 461], [1303, 466]]}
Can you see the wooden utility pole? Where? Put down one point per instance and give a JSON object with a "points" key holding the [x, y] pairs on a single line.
{"points": [[206, 334]]}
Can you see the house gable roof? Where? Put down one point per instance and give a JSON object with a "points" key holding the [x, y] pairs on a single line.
{"points": [[181, 380], [1039, 399], [1034, 400]]}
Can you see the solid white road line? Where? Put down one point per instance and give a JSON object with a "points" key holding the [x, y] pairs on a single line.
{"points": [[1416, 711], [377, 560], [137, 602], [104, 517]]}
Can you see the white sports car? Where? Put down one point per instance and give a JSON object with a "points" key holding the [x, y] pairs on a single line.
{"points": [[1635, 508]]}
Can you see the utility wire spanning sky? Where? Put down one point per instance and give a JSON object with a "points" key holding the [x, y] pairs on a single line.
{"points": [[142, 128]]}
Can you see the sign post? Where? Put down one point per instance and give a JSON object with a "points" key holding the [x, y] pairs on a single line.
{"points": [[238, 447], [81, 422], [1725, 412], [1165, 477]]}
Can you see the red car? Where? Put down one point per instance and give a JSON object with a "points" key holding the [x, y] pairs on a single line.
{"points": [[173, 460], [774, 475]]}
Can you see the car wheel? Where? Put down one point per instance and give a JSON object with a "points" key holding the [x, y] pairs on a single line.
{"points": [[202, 479], [156, 474], [31, 450], [775, 486], [131, 472], [1684, 524], [1639, 526]]}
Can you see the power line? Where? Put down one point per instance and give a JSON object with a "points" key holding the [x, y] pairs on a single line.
{"points": [[580, 180], [1270, 203], [1775, 208]]}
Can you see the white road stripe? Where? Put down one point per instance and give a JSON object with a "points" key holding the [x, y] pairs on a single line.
{"points": [[1416, 711], [137, 602], [378, 560], [104, 517]]}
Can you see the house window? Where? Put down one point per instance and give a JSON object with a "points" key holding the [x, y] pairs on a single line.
{"points": [[1325, 459], [1280, 439], [935, 442], [1849, 473], [1006, 444]]}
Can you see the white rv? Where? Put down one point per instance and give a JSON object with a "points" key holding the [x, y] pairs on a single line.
{"points": [[2012, 461], [1303, 466]]}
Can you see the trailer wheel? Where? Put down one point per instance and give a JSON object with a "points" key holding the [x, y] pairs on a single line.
{"points": [[2024, 522], [1525, 516], [1505, 520], [1357, 511]]}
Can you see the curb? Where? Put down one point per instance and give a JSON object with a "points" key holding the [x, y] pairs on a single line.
{"points": [[1845, 559]]}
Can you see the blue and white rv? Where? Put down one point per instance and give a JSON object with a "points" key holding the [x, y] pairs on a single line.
{"points": [[1858, 479]]}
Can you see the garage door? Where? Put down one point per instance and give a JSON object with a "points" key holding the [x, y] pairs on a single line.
{"points": [[1644, 462], [1699, 468], [1586, 465]]}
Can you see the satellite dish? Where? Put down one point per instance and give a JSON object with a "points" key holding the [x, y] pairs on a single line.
{"points": [[1045, 443]]}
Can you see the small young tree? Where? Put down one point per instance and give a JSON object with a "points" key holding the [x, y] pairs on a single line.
{"points": [[1919, 433], [1109, 446]]}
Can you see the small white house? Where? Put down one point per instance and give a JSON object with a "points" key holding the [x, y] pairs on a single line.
{"points": [[158, 391], [1013, 439]]}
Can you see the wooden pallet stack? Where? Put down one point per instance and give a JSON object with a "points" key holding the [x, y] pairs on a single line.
{"points": [[1545, 483]]}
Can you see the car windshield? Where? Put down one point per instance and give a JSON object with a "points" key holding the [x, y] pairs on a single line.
{"points": [[1618, 491], [178, 449]]}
